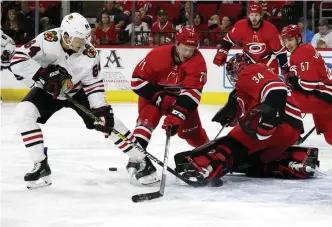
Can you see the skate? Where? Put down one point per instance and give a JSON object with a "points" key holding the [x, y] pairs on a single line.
{"points": [[144, 171], [39, 176]]}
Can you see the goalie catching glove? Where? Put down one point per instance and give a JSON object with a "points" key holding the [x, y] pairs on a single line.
{"points": [[106, 116], [261, 121]]}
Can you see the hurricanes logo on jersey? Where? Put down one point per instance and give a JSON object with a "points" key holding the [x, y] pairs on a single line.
{"points": [[90, 51], [256, 48], [51, 36]]}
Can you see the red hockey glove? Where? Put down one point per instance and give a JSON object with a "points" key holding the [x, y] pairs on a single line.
{"points": [[53, 77], [106, 115], [220, 57], [174, 120], [210, 164], [163, 101], [261, 121]]}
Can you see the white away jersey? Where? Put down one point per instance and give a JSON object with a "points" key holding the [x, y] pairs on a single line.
{"points": [[7, 44], [45, 50]]}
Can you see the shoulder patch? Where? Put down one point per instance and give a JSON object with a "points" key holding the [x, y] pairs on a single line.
{"points": [[51, 36], [90, 51]]}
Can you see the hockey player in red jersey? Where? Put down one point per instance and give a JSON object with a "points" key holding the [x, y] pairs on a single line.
{"points": [[267, 114], [310, 80], [260, 41], [169, 81]]}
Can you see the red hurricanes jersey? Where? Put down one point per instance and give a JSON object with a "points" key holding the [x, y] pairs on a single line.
{"points": [[159, 68], [311, 69], [258, 45], [255, 82]]}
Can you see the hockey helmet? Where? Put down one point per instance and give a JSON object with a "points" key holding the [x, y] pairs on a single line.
{"points": [[291, 31], [234, 66], [75, 25], [187, 36], [255, 8]]}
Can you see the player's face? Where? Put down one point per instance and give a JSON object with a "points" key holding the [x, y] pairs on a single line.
{"points": [[77, 44], [291, 44], [254, 19], [185, 52]]}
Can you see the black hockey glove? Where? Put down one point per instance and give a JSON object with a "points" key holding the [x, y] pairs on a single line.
{"points": [[106, 115], [228, 115], [53, 78]]}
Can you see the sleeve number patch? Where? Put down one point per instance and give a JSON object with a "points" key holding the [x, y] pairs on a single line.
{"points": [[33, 50], [96, 70]]}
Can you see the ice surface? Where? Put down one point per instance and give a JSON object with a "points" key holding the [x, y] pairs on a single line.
{"points": [[85, 194]]}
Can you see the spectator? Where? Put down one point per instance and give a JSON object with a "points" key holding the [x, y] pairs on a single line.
{"points": [[184, 18], [26, 19], [46, 24], [324, 34], [145, 18], [214, 28], [200, 27], [12, 27], [116, 14], [141, 30], [162, 29], [226, 25], [306, 33], [105, 32]]}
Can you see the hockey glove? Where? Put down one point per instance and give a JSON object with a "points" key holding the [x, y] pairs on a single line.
{"points": [[261, 121], [163, 101], [53, 78], [106, 124], [220, 57], [205, 164], [229, 114], [174, 120]]}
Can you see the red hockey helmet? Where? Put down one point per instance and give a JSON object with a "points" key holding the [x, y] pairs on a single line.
{"points": [[187, 36], [291, 31], [234, 66], [255, 8]]}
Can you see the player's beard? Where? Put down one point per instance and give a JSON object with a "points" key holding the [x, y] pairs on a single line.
{"points": [[256, 25]]}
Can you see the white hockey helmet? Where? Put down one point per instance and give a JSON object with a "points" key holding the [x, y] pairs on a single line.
{"points": [[75, 25]]}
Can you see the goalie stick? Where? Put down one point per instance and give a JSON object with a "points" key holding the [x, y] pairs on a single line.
{"points": [[304, 138], [154, 195], [124, 138]]}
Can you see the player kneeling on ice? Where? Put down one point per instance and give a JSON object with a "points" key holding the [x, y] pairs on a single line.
{"points": [[169, 81], [266, 122], [61, 60], [310, 80]]}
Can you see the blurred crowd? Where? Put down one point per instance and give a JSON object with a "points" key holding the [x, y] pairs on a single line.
{"points": [[149, 23]]}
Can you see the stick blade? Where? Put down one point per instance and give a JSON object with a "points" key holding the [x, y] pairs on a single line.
{"points": [[146, 196]]}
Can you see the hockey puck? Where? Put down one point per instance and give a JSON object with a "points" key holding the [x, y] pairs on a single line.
{"points": [[113, 169]]}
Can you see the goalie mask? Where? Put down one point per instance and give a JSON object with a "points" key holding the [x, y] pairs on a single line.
{"points": [[234, 66]]}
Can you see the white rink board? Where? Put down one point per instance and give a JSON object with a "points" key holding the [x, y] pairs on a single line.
{"points": [[117, 65]]}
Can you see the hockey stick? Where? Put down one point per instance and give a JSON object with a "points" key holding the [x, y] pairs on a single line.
{"points": [[155, 195], [124, 138], [304, 138]]}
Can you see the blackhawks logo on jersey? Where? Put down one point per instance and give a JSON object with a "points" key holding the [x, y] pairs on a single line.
{"points": [[90, 51], [51, 36]]}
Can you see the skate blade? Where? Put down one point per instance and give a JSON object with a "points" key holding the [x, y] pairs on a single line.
{"points": [[42, 182], [131, 172]]}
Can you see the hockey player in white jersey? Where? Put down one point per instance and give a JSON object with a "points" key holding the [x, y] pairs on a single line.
{"points": [[7, 50], [57, 61]]}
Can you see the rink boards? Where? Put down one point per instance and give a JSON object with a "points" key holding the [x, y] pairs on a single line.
{"points": [[117, 65]]}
